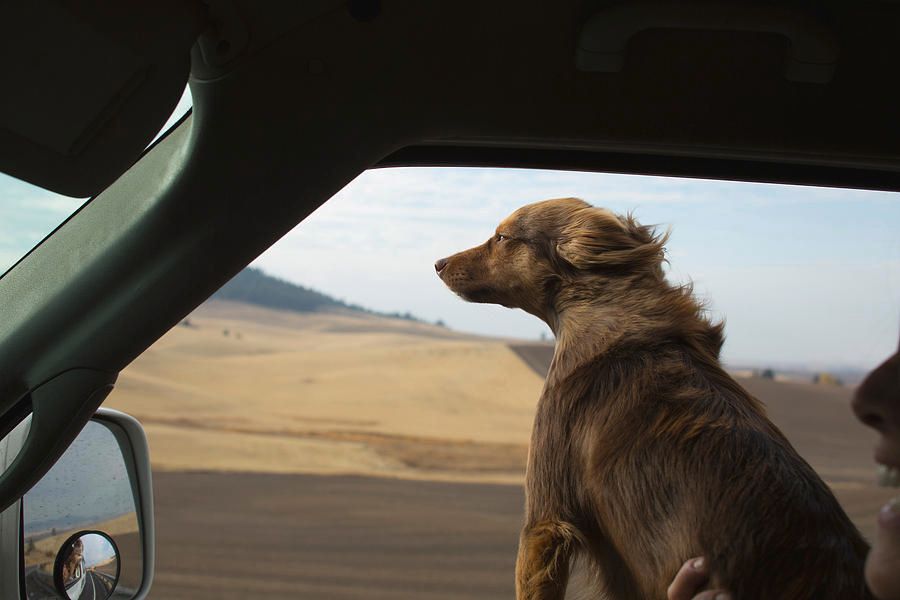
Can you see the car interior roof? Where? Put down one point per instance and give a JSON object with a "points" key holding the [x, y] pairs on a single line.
{"points": [[293, 100]]}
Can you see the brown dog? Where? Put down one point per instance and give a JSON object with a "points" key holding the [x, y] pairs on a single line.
{"points": [[645, 452]]}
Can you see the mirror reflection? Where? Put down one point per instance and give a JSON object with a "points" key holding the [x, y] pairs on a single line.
{"points": [[87, 567], [88, 489]]}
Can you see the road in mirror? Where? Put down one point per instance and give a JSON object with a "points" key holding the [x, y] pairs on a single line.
{"points": [[88, 489]]}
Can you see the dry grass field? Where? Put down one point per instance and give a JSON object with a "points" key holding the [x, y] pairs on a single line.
{"points": [[330, 394], [350, 456]]}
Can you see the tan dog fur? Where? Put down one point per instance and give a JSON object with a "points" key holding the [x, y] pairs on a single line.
{"points": [[644, 451]]}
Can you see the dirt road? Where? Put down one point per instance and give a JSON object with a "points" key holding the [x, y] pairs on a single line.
{"points": [[229, 536]]}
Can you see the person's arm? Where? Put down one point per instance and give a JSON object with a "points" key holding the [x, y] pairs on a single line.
{"points": [[690, 580]]}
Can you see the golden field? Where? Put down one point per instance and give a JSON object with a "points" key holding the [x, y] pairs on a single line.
{"points": [[249, 389], [358, 457], [245, 388]]}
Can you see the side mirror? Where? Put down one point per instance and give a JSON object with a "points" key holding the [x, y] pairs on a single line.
{"points": [[85, 530]]}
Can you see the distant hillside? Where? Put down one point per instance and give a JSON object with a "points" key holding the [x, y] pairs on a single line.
{"points": [[252, 286]]}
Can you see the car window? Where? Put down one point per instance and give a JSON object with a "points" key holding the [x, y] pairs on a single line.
{"points": [[29, 213], [334, 422]]}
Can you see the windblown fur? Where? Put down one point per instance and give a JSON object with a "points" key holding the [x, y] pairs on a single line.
{"points": [[644, 451]]}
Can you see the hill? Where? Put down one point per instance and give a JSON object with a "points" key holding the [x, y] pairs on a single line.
{"points": [[248, 388], [253, 286]]}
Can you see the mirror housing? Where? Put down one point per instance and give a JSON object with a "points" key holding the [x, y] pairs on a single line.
{"points": [[101, 484]]}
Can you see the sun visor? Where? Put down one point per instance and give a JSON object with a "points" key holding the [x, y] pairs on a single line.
{"points": [[87, 85]]}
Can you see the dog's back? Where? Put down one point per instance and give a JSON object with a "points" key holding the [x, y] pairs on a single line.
{"points": [[678, 460]]}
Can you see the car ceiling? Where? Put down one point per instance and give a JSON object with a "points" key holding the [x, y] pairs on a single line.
{"points": [[292, 100], [90, 83]]}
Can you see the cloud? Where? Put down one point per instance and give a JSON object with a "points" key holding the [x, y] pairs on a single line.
{"points": [[826, 313]]}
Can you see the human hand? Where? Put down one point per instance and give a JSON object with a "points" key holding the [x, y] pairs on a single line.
{"points": [[689, 581]]}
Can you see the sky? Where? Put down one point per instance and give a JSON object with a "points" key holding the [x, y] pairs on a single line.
{"points": [[802, 276], [97, 550]]}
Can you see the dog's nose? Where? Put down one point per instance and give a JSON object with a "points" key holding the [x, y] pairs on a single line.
{"points": [[440, 264]]}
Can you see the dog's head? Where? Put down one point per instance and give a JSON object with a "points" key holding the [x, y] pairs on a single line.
{"points": [[546, 246]]}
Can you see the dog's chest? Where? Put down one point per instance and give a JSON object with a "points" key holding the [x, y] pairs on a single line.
{"points": [[561, 440]]}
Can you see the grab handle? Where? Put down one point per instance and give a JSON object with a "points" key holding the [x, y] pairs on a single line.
{"points": [[601, 44]]}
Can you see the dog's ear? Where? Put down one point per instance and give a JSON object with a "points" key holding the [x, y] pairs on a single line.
{"points": [[595, 238]]}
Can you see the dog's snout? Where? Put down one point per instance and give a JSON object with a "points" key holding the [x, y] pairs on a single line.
{"points": [[440, 264]]}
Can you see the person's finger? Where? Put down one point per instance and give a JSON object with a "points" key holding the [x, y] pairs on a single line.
{"points": [[690, 578], [712, 595]]}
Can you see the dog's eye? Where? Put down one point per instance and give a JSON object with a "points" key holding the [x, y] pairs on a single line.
{"points": [[501, 237]]}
